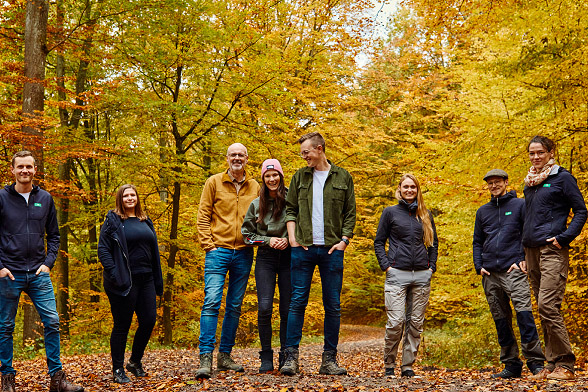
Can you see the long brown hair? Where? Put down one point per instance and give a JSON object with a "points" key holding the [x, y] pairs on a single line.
{"points": [[279, 201], [422, 213], [119, 208]]}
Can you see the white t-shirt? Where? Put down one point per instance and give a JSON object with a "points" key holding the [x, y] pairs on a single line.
{"points": [[26, 196], [318, 221]]}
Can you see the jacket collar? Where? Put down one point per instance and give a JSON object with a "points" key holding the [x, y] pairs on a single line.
{"points": [[11, 189], [504, 198]]}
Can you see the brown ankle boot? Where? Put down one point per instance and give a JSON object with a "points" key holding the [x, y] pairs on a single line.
{"points": [[59, 383], [8, 383]]}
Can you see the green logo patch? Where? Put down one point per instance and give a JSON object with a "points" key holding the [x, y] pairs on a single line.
{"points": [[508, 213], [38, 205], [546, 185]]}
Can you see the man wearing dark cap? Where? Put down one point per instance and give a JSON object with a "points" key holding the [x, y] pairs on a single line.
{"points": [[498, 250]]}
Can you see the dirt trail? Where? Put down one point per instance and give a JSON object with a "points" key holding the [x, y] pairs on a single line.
{"points": [[360, 351]]}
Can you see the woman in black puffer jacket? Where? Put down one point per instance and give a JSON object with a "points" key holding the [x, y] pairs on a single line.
{"points": [[409, 229]]}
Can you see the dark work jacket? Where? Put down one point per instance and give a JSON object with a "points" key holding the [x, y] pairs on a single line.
{"points": [[114, 256], [404, 233], [498, 233], [548, 207], [23, 229]]}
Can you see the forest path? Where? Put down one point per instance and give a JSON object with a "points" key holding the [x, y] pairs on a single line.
{"points": [[360, 351]]}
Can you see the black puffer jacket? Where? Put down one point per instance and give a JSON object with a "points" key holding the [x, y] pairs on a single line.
{"points": [[23, 228], [548, 206], [114, 256], [498, 232], [404, 233]]}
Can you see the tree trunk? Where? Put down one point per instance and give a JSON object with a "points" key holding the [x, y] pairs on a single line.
{"points": [[171, 263], [32, 111]]}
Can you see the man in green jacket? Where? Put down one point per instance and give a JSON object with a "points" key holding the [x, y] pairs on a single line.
{"points": [[320, 217]]}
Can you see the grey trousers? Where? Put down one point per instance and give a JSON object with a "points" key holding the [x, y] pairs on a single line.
{"points": [[501, 288], [548, 272], [407, 295]]}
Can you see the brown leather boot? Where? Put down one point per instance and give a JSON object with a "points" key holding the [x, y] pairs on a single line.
{"points": [[8, 383], [60, 384]]}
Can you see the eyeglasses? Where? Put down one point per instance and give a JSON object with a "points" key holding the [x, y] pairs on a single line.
{"points": [[236, 155], [538, 153], [304, 153], [492, 184]]}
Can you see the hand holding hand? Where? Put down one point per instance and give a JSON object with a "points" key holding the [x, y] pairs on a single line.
{"points": [[278, 243]]}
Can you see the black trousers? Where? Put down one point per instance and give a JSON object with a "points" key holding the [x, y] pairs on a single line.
{"points": [[271, 265], [141, 300]]}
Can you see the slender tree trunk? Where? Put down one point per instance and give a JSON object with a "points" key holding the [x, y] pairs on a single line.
{"points": [[171, 263], [32, 110]]}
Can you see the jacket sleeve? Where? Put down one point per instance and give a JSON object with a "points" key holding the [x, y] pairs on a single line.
{"points": [[433, 251], [157, 274], [382, 236], [349, 211], [521, 225], [576, 202], [105, 247], [52, 233], [478, 243], [249, 228], [205, 215], [292, 198]]}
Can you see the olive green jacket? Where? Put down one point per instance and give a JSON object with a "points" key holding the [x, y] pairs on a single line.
{"points": [[338, 205], [259, 233]]}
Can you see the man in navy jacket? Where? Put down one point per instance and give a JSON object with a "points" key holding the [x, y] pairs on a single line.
{"points": [[498, 250], [27, 217]]}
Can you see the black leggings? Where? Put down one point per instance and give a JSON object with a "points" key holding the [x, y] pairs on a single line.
{"points": [[142, 301]]}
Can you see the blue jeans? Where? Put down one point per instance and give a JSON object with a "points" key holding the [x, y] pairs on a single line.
{"points": [[217, 264], [331, 271], [40, 290]]}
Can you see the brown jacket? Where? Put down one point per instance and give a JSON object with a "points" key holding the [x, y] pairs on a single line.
{"points": [[221, 211]]}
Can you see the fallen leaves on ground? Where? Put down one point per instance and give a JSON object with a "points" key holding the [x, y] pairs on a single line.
{"points": [[360, 351]]}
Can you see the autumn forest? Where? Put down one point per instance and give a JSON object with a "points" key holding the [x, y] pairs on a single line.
{"points": [[151, 92]]}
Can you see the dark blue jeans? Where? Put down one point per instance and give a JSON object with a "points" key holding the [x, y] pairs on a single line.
{"points": [[141, 300], [272, 264], [217, 265], [331, 271], [40, 290]]}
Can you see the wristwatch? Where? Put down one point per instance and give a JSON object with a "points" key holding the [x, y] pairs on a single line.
{"points": [[345, 240]]}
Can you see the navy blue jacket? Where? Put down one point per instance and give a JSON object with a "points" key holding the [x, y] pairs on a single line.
{"points": [[114, 256], [548, 207], [404, 233], [24, 227], [498, 233]]}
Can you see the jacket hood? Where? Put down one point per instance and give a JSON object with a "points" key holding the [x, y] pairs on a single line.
{"points": [[502, 199], [112, 222]]}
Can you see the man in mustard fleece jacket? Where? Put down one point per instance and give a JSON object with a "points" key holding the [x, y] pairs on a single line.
{"points": [[223, 204]]}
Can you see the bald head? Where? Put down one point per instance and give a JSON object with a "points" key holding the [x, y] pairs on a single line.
{"points": [[237, 159]]}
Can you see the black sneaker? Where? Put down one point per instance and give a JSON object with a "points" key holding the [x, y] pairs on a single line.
{"points": [[408, 373], [506, 373], [136, 368], [120, 377], [537, 370], [389, 371]]}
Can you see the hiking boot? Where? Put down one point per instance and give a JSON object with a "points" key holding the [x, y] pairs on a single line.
{"points": [[330, 366], [59, 383], [136, 368], [205, 369], [290, 366], [281, 359], [8, 384], [540, 375], [561, 373], [507, 373], [225, 362], [120, 377], [389, 372], [408, 373], [267, 361]]}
